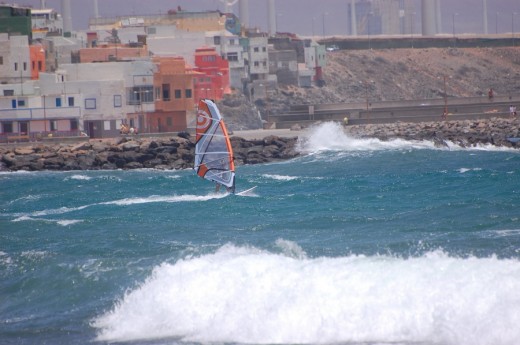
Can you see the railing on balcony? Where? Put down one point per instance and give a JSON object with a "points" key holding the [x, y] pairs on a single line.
{"points": [[24, 114]]}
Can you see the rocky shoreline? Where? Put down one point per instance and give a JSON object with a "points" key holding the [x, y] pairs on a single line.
{"points": [[178, 152], [136, 153]]}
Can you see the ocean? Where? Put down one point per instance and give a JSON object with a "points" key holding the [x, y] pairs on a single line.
{"points": [[358, 241]]}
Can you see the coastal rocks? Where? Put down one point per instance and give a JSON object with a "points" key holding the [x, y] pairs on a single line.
{"points": [[136, 153], [465, 133], [178, 152]]}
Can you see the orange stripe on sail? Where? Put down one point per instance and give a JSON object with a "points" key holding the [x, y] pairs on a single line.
{"points": [[204, 120], [230, 149], [203, 169]]}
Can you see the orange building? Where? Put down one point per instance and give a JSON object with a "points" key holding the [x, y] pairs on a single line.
{"points": [[212, 77], [173, 92], [37, 60]]}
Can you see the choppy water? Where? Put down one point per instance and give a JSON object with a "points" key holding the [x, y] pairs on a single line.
{"points": [[359, 242]]}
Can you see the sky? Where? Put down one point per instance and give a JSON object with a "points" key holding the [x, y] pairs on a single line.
{"points": [[303, 17]]}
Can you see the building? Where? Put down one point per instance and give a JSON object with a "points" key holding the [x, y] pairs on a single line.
{"points": [[173, 96], [15, 59], [257, 56], [315, 59], [229, 48], [284, 64], [182, 20], [15, 20], [46, 22], [113, 52], [212, 79]]}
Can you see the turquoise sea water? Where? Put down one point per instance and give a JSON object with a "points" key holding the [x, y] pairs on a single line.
{"points": [[357, 242]]}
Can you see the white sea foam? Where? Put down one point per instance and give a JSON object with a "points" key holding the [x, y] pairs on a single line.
{"points": [[62, 222], [5, 259], [54, 211], [248, 296], [157, 198], [79, 177], [465, 170], [281, 177], [66, 222], [330, 136]]}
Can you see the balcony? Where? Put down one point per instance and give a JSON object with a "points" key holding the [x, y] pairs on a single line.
{"points": [[27, 114]]}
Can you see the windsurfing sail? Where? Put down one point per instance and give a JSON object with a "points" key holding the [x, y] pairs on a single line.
{"points": [[213, 151]]}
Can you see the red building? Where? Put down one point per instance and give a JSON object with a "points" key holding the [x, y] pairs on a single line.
{"points": [[211, 79]]}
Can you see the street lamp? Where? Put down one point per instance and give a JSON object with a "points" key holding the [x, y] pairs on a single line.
{"points": [[324, 14], [513, 27], [412, 25], [496, 23], [453, 18], [368, 29]]}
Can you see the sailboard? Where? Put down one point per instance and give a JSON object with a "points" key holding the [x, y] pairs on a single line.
{"points": [[213, 151]]}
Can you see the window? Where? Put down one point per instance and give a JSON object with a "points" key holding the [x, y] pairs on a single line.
{"points": [[74, 125], [216, 40], [25, 66], [256, 50], [264, 49], [178, 94], [232, 57], [16, 66], [40, 66], [58, 102], [90, 103], [1, 60], [8, 92], [188, 93], [53, 125], [256, 64], [157, 93], [71, 101], [21, 103], [169, 121], [117, 101], [7, 127], [166, 92]]}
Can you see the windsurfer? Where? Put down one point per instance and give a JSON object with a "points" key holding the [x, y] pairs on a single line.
{"points": [[228, 189]]}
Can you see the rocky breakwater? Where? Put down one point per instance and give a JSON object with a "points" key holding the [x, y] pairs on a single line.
{"points": [[136, 153], [465, 133]]}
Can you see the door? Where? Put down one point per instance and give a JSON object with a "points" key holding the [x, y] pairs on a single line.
{"points": [[23, 128]]}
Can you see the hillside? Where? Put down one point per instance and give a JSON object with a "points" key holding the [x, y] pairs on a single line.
{"points": [[393, 74]]}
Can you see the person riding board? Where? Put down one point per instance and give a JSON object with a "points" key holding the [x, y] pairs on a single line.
{"points": [[228, 189]]}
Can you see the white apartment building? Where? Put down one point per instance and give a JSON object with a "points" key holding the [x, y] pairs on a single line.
{"points": [[258, 57], [14, 59], [93, 98], [228, 46], [46, 22]]}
